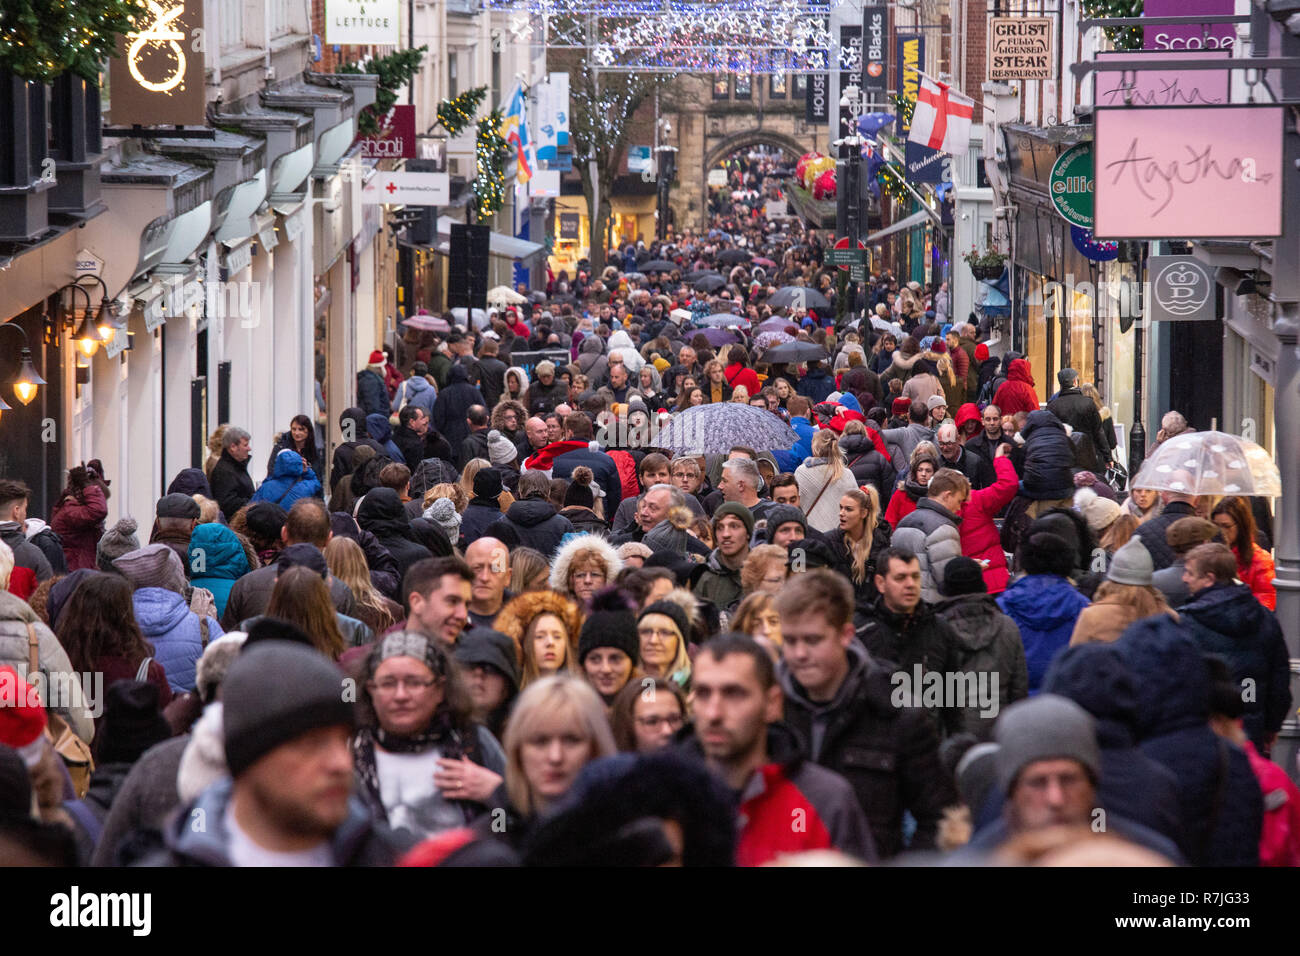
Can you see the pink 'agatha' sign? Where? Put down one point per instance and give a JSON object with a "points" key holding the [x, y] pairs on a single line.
{"points": [[1172, 87], [1196, 172]]}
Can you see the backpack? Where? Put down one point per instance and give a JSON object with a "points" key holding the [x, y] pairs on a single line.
{"points": [[990, 389], [74, 751]]}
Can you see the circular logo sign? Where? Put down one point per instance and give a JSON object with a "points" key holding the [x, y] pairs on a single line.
{"points": [[1071, 185], [1182, 288], [875, 69]]}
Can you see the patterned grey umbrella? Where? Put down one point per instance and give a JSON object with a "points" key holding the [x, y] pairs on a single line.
{"points": [[798, 297], [725, 320], [714, 429]]}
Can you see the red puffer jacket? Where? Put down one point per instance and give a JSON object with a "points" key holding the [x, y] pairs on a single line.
{"points": [[1017, 393], [739, 375], [979, 535], [1259, 576], [79, 523]]}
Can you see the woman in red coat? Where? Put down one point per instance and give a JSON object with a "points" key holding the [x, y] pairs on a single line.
{"points": [[921, 468], [980, 538], [738, 371], [1254, 564], [78, 518], [1017, 393]]}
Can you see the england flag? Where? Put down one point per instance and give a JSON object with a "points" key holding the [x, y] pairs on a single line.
{"points": [[941, 118]]}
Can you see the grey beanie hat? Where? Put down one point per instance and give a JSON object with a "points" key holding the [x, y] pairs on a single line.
{"points": [[501, 450], [275, 692], [1132, 564], [665, 536], [1046, 727], [442, 512], [153, 566], [778, 515], [115, 542]]}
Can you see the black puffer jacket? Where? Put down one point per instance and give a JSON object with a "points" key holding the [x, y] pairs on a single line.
{"points": [[1049, 458], [538, 525], [452, 404], [232, 486], [906, 641], [988, 642], [864, 593], [868, 465], [1079, 411], [1227, 620], [888, 754], [353, 424], [381, 513]]}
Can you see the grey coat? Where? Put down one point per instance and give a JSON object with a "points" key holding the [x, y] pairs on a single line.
{"points": [[901, 442], [988, 642], [63, 691], [930, 532]]}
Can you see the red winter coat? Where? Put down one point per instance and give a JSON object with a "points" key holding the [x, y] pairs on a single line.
{"points": [[626, 472], [1259, 576], [80, 525], [737, 374], [22, 582], [901, 504], [979, 535], [1017, 393], [1279, 839]]}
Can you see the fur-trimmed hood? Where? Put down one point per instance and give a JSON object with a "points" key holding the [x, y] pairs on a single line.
{"points": [[504, 405], [904, 363], [594, 543], [515, 617]]}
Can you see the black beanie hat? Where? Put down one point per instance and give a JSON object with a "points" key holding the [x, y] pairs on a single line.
{"points": [[132, 722], [484, 645], [611, 623], [579, 495], [778, 515], [1047, 553], [963, 575], [487, 483], [275, 692], [673, 610]]}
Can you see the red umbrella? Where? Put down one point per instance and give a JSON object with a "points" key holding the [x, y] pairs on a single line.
{"points": [[764, 262]]}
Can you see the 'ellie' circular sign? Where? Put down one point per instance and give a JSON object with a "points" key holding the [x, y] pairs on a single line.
{"points": [[1071, 185]]}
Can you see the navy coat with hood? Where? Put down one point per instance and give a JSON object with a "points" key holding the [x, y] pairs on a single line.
{"points": [[372, 394], [381, 513], [537, 524], [378, 428], [353, 424], [1049, 458], [1045, 608], [1132, 784], [1227, 620], [452, 405], [1222, 806]]}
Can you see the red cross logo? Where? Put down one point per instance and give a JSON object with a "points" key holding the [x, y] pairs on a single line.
{"points": [[392, 188]]}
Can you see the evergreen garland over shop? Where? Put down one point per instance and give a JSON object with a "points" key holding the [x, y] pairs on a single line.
{"points": [[1121, 38], [41, 39], [394, 72], [490, 151], [458, 112]]}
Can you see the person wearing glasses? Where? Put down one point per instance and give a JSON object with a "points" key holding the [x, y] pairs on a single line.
{"points": [[647, 714], [661, 632], [423, 765]]}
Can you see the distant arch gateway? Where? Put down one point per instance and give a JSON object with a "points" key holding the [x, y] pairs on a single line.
{"points": [[754, 137]]}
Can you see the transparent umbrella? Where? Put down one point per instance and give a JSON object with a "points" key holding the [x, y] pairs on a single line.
{"points": [[716, 428], [1210, 463]]}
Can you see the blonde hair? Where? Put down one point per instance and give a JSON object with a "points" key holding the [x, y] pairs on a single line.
{"points": [[447, 490], [216, 442], [347, 562], [209, 510], [6, 565], [525, 566], [860, 551], [472, 468], [1146, 601], [740, 394], [755, 566], [826, 444], [563, 696]]}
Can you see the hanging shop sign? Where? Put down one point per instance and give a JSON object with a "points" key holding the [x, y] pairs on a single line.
{"points": [[157, 75], [1020, 48], [1200, 172], [875, 50], [569, 226], [1189, 36], [1071, 185], [363, 21], [407, 189], [923, 164], [396, 136], [1171, 87], [1182, 290]]}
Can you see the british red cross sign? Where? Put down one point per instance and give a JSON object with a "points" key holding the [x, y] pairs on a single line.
{"points": [[407, 189]]}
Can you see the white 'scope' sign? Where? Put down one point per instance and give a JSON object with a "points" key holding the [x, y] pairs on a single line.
{"points": [[408, 189]]}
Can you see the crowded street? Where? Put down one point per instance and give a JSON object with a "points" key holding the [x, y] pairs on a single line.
{"points": [[899, 482]]}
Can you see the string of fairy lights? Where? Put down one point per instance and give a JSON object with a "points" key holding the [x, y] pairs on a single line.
{"points": [[42, 39]]}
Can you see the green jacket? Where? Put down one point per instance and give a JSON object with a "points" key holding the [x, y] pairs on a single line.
{"points": [[439, 366], [719, 585]]}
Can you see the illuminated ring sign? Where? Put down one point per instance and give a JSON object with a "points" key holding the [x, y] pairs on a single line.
{"points": [[159, 31]]}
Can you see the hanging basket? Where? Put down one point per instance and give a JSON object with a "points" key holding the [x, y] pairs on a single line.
{"points": [[987, 272]]}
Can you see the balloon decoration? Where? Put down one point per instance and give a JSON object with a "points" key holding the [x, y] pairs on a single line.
{"points": [[1094, 249], [814, 169], [824, 186], [802, 165]]}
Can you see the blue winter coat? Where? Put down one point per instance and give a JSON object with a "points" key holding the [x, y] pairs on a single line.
{"points": [[1173, 686], [815, 386], [372, 393], [418, 392], [217, 559], [168, 623], [378, 428], [1096, 677], [788, 461], [287, 483], [1045, 608], [1049, 458]]}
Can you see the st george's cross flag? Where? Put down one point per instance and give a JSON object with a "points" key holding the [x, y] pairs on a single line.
{"points": [[941, 118]]}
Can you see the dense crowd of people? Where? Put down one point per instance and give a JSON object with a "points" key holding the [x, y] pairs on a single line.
{"points": [[504, 626]]}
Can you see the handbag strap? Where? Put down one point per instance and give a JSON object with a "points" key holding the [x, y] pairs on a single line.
{"points": [[33, 651], [203, 630], [143, 673]]}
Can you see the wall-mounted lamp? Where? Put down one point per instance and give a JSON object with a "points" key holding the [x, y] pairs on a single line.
{"points": [[28, 380]]}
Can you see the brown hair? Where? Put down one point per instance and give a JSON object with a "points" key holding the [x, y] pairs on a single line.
{"points": [[1120, 530], [1146, 601], [98, 621], [821, 589], [622, 713], [1212, 558], [308, 522], [395, 475], [947, 480], [755, 566], [301, 598], [347, 562], [1237, 509]]}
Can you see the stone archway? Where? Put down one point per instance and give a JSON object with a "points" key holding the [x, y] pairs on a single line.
{"points": [[757, 136]]}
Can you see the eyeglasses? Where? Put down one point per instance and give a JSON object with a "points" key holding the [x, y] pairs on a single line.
{"points": [[662, 633], [413, 685], [655, 722]]}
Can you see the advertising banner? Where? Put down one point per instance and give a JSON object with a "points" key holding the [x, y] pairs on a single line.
{"points": [[396, 137], [157, 75], [875, 51]]}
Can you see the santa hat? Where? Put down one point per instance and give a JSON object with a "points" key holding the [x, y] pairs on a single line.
{"points": [[377, 358], [981, 352], [22, 718]]}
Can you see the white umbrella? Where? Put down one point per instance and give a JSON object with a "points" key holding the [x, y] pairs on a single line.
{"points": [[504, 295], [480, 317], [1210, 463]]}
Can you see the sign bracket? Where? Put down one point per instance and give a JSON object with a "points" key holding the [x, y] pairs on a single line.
{"points": [[153, 132]]}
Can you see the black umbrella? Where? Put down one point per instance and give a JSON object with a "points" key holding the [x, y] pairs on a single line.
{"points": [[798, 297], [657, 265], [710, 283], [564, 297], [734, 255], [792, 352]]}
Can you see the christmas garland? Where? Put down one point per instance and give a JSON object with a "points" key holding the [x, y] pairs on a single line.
{"points": [[394, 72], [1121, 38], [490, 151], [903, 109], [891, 183], [458, 112], [40, 39]]}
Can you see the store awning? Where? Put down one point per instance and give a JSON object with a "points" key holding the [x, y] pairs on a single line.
{"points": [[499, 244], [911, 222]]}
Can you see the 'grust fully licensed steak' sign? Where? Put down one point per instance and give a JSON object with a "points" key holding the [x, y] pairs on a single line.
{"points": [[1020, 48]]}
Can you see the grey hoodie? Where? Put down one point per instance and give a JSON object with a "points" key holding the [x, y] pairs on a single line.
{"points": [[26, 554], [63, 692]]}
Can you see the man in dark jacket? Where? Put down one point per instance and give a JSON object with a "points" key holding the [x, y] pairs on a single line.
{"points": [[492, 382], [533, 518], [986, 443], [977, 469], [453, 405], [352, 425], [287, 728], [232, 486], [1049, 459], [547, 391], [372, 393], [14, 496], [838, 699], [903, 630], [416, 440], [561, 457], [817, 384], [1226, 619], [1096, 678], [381, 514], [1079, 411], [475, 444], [1219, 797], [1152, 531], [737, 729], [484, 508]]}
